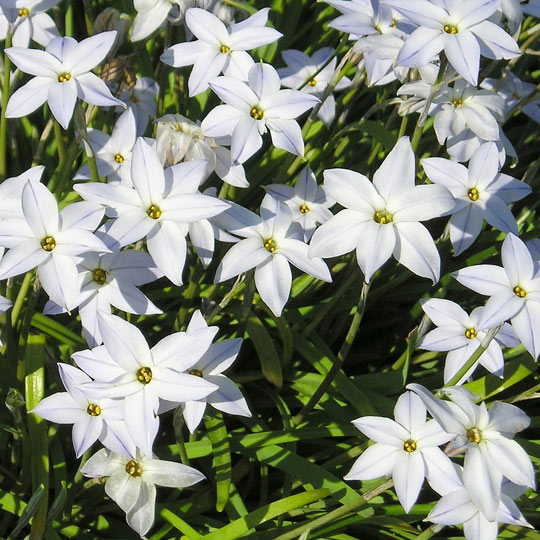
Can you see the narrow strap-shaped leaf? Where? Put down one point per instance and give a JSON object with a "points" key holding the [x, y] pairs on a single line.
{"points": [[30, 510], [265, 513], [266, 351], [37, 429], [219, 438]]}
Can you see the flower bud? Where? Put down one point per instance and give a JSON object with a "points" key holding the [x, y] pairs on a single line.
{"points": [[112, 19]]}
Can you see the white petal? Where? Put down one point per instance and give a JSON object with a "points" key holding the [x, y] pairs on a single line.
{"points": [[140, 413], [512, 461], [396, 173], [378, 243], [207, 67], [147, 173], [296, 253], [40, 209], [382, 430], [453, 509], [410, 411], [28, 98], [85, 433], [92, 89], [485, 279], [465, 226], [517, 260], [421, 47], [193, 412], [246, 140], [286, 134], [496, 42], [61, 98], [463, 53], [243, 256], [416, 250], [141, 516], [167, 246], [408, 476], [375, 461], [170, 474], [60, 280], [22, 258], [207, 26], [527, 324], [273, 280], [221, 121], [443, 312], [35, 62], [227, 398]]}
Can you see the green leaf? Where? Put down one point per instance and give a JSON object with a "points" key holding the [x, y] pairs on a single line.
{"points": [[219, 438], [30, 510], [264, 345], [265, 513]]}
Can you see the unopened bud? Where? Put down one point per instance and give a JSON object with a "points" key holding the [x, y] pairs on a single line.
{"points": [[112, 19], [120, 70]]}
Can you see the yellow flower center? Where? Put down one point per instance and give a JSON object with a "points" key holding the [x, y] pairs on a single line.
{"points": [[224, 49], [410, 446], [93, 409], [470, 333], [312, 82], [196, 372], [256, 113], [457, 102], [270, 245], [64, 77], [377, 28], [304, 208], [24, 12], [119, 158], [48, 243], [382, 217], [450, 28], [473, 194], [393, 24], [133, 468], [519, 291], [154, 211], [99, 276], [474, 435], [144, 375]]}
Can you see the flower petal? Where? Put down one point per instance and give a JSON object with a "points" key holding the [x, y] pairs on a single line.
{"points": [[273, 280]]}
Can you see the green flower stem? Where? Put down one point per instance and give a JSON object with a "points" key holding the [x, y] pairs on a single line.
{"points": [[68, 19], [474, 356], [419, 128], [80, 124], [239, 284], [327, 308], [21, 296], [344, 510], [37, 429], [61, 148], [36, 160], [341, 356], [61, 177], [428, 533], [5, 99]]}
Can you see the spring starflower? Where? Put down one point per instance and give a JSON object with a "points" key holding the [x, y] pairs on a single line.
{"points": [[62, 74], [382, 218], [131, 483], [253, 108], [218, 48], [406, 448]]}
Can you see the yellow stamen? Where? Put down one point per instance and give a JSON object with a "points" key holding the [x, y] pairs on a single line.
{"points": [[99, 276], [474, 435], [457, 102], [64, 77], [519, 291], [48, 243], [196, 372], [450, 29], [133, 468], [270, 245], [93, 409], [224, 49], [256, 113], [154, 211], [470, 333], [144, 375], [312, 82], [24, 12], [119, 158], [383, 217], [304, 209], [410, 446], [473, 194]]}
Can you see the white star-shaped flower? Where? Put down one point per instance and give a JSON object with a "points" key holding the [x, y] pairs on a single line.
{"points": [[92, 419], [62, 74], [131, 483], [481, 193], [271, 243], [218, 48], [307, 201], [406, 448], [514, 292], [486, 437], [460, 334], [50, 240], [382, 218], [460, 28], [251, 109]]}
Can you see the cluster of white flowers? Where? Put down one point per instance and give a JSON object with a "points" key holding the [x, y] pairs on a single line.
{"points": [[153, 195]]}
